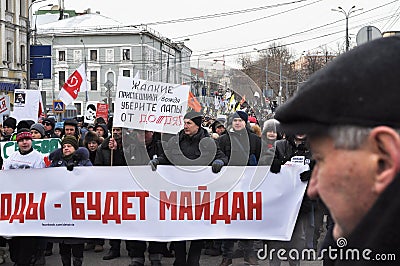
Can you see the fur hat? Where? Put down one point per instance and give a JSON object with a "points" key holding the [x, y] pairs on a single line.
{"points": [[71, 122], [70, 140], [10, 122], [39, 128], [359, 87], [196, 117], [217, 123], [91, 136]]}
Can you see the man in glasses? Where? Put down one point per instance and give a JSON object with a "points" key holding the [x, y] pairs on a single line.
{"points": [[49, 124]]}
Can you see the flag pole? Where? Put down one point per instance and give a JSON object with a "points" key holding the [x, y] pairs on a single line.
{"points": [[112, 150]]}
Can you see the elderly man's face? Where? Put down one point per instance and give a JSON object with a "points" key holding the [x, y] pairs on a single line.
{"points": [[189, 127], [344, 180]]}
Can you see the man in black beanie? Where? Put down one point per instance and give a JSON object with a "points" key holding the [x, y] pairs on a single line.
{"points": [[9, 126], [184, 149], [350, 112]]}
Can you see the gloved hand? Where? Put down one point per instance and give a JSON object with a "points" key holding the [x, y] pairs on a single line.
{"points": [[275, 166], [216, 166], [305, 176], [252, 160], [70, 166], [153, 163]]}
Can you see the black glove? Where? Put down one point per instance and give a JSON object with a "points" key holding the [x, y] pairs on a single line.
{"points": [[305, 176], [275, 166], [70, 166], [217, 166], [153, 163]]}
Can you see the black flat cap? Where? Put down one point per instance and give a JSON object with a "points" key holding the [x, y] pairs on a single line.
{"points": [[360, 88]]}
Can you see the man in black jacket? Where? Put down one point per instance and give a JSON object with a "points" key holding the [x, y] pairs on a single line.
{"points": [[191, 146], [350, 111], [242, 147]]}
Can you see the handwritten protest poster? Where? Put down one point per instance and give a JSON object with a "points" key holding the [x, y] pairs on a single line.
{"points": [[150, 105]]}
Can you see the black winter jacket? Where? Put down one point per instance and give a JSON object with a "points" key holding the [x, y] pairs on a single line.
{"points": [[80, 158], [198, 149], [241, 147], [103, 155]]}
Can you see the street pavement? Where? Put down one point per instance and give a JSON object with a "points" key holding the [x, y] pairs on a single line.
{"points": [[95, 259]]}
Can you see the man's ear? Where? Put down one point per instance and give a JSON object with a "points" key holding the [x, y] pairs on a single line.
{"points": [[387, 145]]}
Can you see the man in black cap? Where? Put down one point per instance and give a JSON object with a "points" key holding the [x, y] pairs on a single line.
{"points": [[49, 124], [184, 149], [350, 111], [242, 147]]}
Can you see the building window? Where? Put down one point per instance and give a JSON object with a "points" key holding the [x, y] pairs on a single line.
{"points": [[93, 55], [61, 78], [126, 73], [77, 56], [93, 80], [110, 55], [78, 107], [9, 52], [22, 53], [126, 54], [8, 5], [22, 8], [61, 56]]}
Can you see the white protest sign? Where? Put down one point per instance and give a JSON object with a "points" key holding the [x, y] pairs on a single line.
{"points": [[195, 204], [149, 105], [27, 105], [4, 105]]}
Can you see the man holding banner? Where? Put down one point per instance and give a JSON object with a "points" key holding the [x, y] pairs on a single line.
{"points": [[24, 249], [184, 149]]}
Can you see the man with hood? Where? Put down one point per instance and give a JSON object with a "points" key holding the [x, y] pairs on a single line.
{"points": [[49, 125]]}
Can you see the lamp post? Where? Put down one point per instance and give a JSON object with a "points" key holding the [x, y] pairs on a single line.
{"points": [[347, 15], [28, 45], [198, 65]]}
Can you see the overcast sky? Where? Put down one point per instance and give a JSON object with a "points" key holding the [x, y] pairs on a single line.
{"points": [[300, 24]]}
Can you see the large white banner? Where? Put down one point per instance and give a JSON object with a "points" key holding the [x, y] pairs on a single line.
{"points": [[149, 105], [44, 146], [172, 203]]}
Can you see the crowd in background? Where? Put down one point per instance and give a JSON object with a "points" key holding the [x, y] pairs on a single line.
{"points": [[242, 140]]}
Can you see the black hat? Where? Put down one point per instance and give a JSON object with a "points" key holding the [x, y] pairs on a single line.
{"points": [[10, 122], [25, 124], [217, 123], [71, 122], [240, 114], [360, 88], [70, 140], [196, 117], [49, 120], [91, 136], [39, 128]]}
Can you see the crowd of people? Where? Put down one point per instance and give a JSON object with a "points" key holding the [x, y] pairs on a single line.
{"points": [[239, 141], [353, 155]]}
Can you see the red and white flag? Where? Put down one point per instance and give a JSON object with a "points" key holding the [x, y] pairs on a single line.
{"points": [[75, 84]]}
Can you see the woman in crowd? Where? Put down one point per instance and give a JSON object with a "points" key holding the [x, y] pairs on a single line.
{"points": [[70, 155]]}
